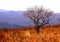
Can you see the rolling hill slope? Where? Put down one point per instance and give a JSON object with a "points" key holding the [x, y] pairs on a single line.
{"points": [[17, 18]]}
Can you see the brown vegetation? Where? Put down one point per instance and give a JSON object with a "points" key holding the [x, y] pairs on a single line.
{"points": [[46, 34]]}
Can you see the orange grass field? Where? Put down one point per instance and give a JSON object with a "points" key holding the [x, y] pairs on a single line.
{"points": [[47, 34]]}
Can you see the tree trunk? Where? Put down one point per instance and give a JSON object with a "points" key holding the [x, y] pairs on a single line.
{"points": [[37, 28]]}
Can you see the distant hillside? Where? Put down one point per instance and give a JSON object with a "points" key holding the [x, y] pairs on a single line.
{"points": [[16, 17], [7, 25], [55, 19]]}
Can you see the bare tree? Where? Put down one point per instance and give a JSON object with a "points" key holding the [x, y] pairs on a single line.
{"points": [[39, 16]]}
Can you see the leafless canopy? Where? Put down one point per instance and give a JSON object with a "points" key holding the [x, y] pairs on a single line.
{"points": [[38, 15]]}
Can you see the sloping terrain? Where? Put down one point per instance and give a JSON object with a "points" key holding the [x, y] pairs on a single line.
{"points": [[17, 18], [7, 25], [47, 34]]}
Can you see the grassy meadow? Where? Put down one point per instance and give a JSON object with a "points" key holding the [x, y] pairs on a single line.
{"points": [[46, 34]]}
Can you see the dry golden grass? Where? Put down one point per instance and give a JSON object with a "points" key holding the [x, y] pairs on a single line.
{"points": [[47, 34]]}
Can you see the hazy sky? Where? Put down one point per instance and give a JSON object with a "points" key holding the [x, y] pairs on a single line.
{"points": [[23, 4]]}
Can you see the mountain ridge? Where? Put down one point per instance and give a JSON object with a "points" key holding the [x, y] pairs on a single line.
{"points": [[16, 17]]}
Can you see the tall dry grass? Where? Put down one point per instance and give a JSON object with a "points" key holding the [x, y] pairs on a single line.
{"points": [[47, 34]]}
